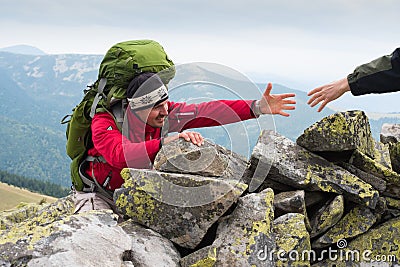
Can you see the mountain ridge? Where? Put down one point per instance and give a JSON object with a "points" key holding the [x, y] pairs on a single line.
{"points": [[40, 90]]}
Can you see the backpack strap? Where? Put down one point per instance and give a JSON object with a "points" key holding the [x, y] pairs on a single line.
{"points": [[118, 112], [99, 95], [91, 183]]}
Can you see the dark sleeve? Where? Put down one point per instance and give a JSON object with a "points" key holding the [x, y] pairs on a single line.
{"points": [[381, 75]]}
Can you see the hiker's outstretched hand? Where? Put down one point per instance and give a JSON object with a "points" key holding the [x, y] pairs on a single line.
{"points": [[328, 93], [276, 104]]}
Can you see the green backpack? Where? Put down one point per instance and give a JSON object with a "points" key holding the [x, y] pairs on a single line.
{"points": [[122, 62]]}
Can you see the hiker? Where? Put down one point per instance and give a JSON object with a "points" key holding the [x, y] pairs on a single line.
{"points": [[381, 75], [146, 119], [124, 119]]}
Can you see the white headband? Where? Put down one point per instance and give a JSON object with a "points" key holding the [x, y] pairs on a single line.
{"points": [[150, 99]]}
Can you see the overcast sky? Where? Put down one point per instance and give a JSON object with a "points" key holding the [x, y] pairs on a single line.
{"points": [[298, 43]]}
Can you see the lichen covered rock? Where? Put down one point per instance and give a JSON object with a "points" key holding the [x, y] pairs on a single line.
{"points": [[29, 231], [204, 257], [245, 238], [291, 202], [327, 216], [180, 207], [358, 221], [279, 159], [382, 154], [341, 131], [292, 239], [367, 164], [67, 240], [379, 246]]}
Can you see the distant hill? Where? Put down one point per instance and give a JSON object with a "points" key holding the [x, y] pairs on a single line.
{"points": [[23, 49], [11, 196], [38, 90]]}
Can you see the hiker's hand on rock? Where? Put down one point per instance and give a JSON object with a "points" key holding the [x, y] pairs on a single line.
{"points": [[193, 137], [276, 104], [328, 93]]}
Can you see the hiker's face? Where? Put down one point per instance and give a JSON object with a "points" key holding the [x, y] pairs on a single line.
{"points": [[155, 116]]}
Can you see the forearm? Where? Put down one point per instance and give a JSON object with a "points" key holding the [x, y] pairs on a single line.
{"points": [[209, 114], [381, 75]]}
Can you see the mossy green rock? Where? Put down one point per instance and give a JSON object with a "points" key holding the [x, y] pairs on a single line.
{"points": [[382, 154], [278, 158], [327, 216], [204, 257], [359, 220], [367, 164], [376, 182], [341, 131], [394, 150], [292, 239], [209, 159], [245, 237], [379, 246], [181, 207], [20, 213]]}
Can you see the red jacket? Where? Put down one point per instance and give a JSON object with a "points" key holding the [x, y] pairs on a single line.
{"points": [[140, 148]]}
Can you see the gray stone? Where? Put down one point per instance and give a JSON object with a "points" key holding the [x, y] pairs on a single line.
{"points": [[380, 243], [382, 154], [204, 257], [376, 182], [148, 248], [292, 239], [358, 221], [245, 238], [367, 164], [73, 240], [291, 202], [390, 133], [327, 216], [285, 162], [181, 207], [341, 131], [209, 159], [394, 150]]}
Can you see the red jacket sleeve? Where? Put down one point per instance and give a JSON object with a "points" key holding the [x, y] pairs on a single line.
{"points": [[184, 116], [116, 149]]}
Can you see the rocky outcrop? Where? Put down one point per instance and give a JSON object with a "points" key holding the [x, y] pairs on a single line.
{"points": [[319, 201], [179, 207]]}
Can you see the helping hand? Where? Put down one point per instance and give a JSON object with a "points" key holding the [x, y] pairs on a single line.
{"points": [[276, 104], [328, 93]]}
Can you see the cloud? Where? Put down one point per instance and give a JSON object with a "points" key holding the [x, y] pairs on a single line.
{"points": [[306, 41]]}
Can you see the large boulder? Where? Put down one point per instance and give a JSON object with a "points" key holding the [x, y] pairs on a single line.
{"points": [[278, 158], [209, 159], [342, 131], [390, 135], [358, 221], [367, 164], [292, 239], [247, 232], [181, 207], [327, 216]]}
